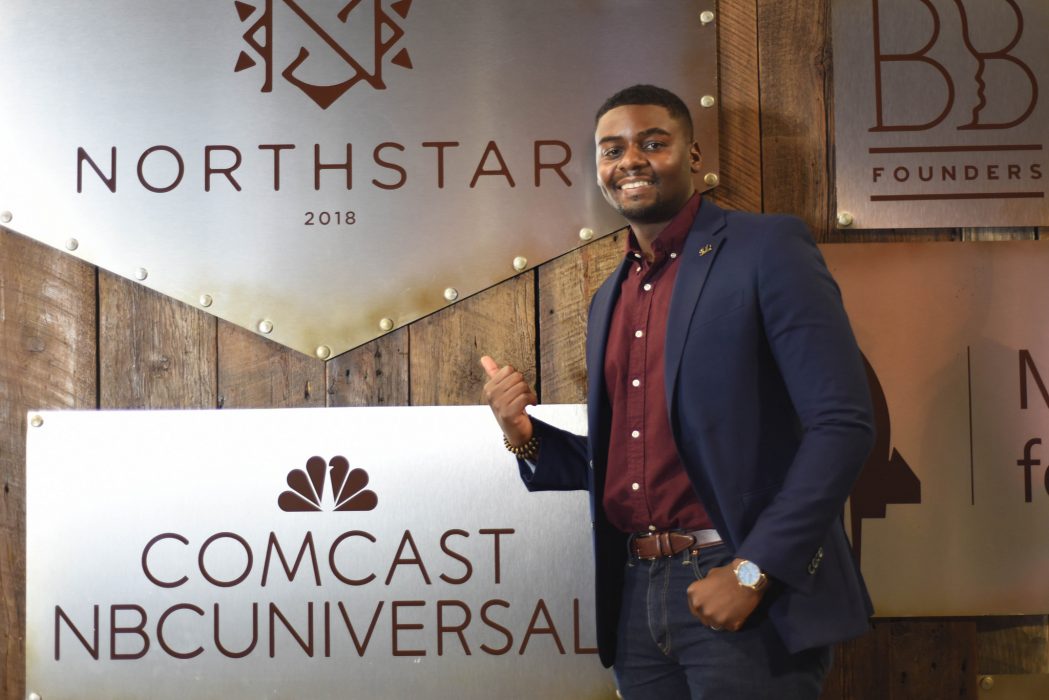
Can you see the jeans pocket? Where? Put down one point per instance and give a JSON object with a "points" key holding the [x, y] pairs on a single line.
{"points": [[709, 558]]}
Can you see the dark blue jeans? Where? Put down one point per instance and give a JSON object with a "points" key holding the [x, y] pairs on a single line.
{"points": [[665, 653]]}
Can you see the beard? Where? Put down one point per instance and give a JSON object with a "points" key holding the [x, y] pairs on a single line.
{"points": [[652, 212]]}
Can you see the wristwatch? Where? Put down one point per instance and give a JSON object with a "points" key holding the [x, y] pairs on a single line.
{"points": [[750, 576]]}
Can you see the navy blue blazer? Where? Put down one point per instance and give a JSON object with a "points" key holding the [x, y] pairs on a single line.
{"points": [[770, 412]]}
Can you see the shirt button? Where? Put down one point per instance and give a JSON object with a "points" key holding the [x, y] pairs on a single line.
{"points": [[635, 486], [673, 255], [652, 528], [638, 334], [636, 382], [635, 434], [647, 287]]}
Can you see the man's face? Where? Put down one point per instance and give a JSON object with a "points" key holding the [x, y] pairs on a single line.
{"points": [[645, 162]]}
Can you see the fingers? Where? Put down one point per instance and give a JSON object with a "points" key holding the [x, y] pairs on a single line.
{"points": [[720, 605], [507, 394], [490, 366], [505, 384]]}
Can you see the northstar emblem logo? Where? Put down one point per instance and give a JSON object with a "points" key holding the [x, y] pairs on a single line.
{"points": [[386, 32], [347, 487]]}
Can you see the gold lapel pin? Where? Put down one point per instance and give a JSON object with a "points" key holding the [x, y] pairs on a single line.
{"points": [[705, 249]]}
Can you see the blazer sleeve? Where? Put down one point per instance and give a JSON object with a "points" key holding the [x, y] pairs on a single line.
{"points": [[562, 462], [813, 346]]}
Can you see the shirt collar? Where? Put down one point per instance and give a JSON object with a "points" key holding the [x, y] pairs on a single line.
{"points": [[672, 238]]}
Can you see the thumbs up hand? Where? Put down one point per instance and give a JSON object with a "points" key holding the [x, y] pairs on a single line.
{"points": [[507, 394]]}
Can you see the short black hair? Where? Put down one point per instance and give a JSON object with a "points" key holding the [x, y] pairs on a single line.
{"points": [[648, 95]]}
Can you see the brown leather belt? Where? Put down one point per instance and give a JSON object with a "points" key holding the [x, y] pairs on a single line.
{"points": [[667, 543]]}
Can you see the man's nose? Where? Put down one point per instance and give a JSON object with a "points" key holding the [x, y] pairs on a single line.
{"points": [[633, 158]]}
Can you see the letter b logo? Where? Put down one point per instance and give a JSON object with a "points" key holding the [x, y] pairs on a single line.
{"points": [[945, 54]]}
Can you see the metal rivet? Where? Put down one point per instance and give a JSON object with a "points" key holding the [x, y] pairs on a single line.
{"points": [[706, 16], [141, 274], [206, 300], [33, 696], [586, 233], [711, 179], [72, 244], [451, 294], [6, 217], [323, 352], [844, 219], [36, 421], [386, 324], [707, 100], [520, 263], [265, 326], [986, 682]]}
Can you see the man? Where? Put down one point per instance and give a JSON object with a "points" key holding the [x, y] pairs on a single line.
{"points": [[728, 418]]}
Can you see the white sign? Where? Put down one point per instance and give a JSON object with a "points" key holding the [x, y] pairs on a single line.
{"points": [[385, 553]]}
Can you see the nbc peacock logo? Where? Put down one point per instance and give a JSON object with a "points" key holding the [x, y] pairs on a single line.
{"points": [[346, 486]]}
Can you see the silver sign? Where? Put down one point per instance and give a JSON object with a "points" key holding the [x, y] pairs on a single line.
{"points": [[940, 113], [379, 553], [322, 172]]}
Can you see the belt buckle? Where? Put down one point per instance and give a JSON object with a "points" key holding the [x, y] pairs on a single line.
{"points": [[664, 544], [642, 536]]}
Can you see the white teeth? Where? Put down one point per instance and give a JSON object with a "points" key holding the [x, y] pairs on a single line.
{"points": [[633, 185]]}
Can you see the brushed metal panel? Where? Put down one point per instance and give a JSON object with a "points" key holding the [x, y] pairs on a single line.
{"points": [[443, 123], [1021, 686], [102, 485], [950, 128], [946, 327]]}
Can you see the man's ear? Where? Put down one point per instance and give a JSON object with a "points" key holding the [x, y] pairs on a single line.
{"points": [[695, 157]]}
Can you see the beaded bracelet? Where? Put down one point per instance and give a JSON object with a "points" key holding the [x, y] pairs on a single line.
{"points": [[529, 450]]}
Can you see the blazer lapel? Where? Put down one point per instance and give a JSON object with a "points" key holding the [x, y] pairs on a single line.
{"points": [[598, 323], [700, 251]]}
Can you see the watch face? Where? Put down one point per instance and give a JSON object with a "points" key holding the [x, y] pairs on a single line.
{"points": [[748, 573]]}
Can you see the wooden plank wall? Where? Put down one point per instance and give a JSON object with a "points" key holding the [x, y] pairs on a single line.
{"points": [[73, 336]]}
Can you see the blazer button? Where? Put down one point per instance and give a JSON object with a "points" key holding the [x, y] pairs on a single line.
{"points": [[591, 464], [816, 559]]}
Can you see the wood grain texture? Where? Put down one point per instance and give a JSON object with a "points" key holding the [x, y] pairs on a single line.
{"points": [[860, 670], [154, 351], [255, 372], [917, 659], [932, 659], [446, 346], [794, 66], [1012, 644], [47, 361], [999, 234], [375, 374], [739, 124], [876, 235], [565, 288]]}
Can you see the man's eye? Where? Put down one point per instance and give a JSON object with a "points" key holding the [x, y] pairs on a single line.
{"points": [[610, 153], [653, 145]]}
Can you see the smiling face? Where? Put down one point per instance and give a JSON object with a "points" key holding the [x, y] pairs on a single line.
{"points": [[645, 162]]}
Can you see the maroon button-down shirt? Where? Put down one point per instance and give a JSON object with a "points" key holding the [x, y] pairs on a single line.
{"points": [[646, 487]]}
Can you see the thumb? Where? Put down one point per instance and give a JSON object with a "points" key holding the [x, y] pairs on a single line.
{"points": [[490, 366]]}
